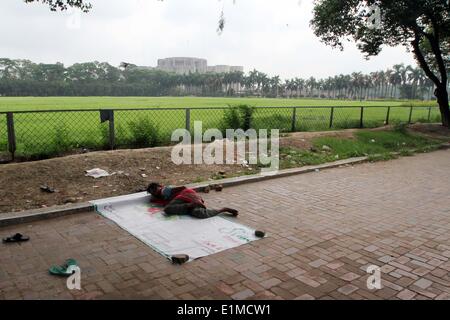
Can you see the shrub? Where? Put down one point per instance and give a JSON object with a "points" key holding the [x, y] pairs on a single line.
{"points": [[231, 119], [247, 116], [238, 117], [61, 141], [143, 133], [104, 132]]}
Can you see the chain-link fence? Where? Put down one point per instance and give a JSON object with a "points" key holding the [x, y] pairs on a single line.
{"points": [[42, 134], [146, 128], [3, 135]]}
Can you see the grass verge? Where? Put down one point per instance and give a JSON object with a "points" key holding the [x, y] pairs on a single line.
{"points": [[376, 145]]}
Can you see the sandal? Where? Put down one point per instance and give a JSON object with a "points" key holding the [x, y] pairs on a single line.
{"points": [[16, 238], [47, 189], [64, 270]]}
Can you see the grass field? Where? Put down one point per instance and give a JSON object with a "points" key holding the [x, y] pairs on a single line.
{"points": [[47, 134], [58, 103]]}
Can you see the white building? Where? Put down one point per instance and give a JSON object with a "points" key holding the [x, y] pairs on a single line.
{"points": [[225, 69], [183, 65]]}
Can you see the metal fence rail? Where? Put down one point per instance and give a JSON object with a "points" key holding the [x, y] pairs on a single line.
{"points": [[41, 134]]}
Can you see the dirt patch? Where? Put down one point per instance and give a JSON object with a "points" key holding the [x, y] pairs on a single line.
{"points": [[303, 140], [431, 130], [134, 169]]}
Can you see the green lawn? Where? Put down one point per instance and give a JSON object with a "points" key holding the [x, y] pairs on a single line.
{"points": [[49, 133], [57, 103]]}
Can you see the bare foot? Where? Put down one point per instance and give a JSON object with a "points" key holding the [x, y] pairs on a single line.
{"points": [[233, 212]]}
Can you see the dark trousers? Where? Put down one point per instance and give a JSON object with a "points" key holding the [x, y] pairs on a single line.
{"points": [[182, 208]]}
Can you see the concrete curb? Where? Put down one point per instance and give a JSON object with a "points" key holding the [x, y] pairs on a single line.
{"points": [[230, 182], [7, 219], [12, 218]]}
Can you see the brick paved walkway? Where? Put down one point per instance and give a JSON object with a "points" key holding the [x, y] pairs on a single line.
{"points": [[324, 230]]}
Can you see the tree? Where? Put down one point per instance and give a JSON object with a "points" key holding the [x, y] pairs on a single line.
{"points": [[412, 23], [62, 5]]}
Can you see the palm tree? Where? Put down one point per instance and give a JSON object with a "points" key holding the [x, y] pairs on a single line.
{"points": [[397, 77], [415, 76], [300, 84], [275, 84], [311, 83]]}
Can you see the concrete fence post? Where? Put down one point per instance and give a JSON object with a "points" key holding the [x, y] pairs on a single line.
{"points": [[108, 115], [188, 119], [294, 120], [112, 131], [361, 123], [331, 116], [387, 115], [11, 134]]}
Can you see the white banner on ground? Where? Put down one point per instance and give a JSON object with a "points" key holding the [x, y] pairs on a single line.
{"points": [[170, 235]]}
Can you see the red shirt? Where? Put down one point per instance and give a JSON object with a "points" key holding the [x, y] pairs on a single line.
{"points": [[186, 195]]}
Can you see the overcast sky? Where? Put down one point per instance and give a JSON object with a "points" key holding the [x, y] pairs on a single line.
{"points": [[271, 36]]}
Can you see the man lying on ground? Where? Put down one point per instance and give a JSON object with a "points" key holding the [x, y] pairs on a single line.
{"points": [[183, 201]]}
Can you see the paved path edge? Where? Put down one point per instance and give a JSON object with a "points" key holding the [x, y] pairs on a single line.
{"points": [[12, 218]]}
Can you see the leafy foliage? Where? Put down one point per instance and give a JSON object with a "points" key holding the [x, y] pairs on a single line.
{"points": [[238, 117], [143, 133], [25, 78], [56, 5], [423, 26]]}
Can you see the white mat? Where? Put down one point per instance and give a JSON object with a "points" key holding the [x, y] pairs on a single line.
{"points": [[175, 234]]}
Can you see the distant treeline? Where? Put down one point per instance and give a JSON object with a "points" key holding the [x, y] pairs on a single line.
{"points": [[25, 78]]}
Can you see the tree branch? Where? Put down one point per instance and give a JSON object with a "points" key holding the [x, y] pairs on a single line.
{"points": [[434, 42], [421, 59]]}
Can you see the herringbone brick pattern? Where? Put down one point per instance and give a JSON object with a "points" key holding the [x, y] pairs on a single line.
{"points": [[324, 230]]}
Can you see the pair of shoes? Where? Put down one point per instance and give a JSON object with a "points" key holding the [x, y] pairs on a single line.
{"points": [[18, 237]]}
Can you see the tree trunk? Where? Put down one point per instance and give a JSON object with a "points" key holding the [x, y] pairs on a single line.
{"points": [[442, 98]]}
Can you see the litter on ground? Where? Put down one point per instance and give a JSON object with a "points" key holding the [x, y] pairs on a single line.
{"points": [[97, 173]]}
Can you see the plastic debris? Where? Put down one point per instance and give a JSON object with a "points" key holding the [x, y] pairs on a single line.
{"points": [[97, 173]]}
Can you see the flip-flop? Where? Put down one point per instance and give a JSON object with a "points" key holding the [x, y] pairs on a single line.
{"points": [[47, 189], [63, 270], [16, 238]]}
